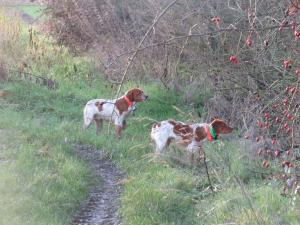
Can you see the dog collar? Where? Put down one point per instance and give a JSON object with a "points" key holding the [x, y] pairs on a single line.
{"points": [[211, 134], [130, 103]]}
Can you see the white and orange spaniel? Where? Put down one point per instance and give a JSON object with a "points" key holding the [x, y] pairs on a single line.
{"points": [[115, 110], [188, 135]]}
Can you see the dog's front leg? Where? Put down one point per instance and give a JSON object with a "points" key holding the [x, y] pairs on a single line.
{"points": [[191, 148], [124, 125], [118, 131], [192, 158]]}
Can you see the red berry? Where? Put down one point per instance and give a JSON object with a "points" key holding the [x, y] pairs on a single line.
{"points": [[266, 124], [290, 117], [267, 116], [297, 34], [216, 20], [285, 126], [277, 153], [233, 59], [288, 152], [266, 164], [257, 139], [285, 163], [277, 120], [249, 42], [286, 63]]}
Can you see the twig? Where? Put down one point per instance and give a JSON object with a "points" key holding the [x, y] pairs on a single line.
{"points": [[206, 169], [168, 41]]}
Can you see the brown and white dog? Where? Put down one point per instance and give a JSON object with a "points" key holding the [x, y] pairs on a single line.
{"points": [[188, 135], [115, 110]]}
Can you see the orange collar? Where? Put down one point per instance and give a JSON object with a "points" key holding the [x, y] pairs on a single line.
{"points": [[130, 103], [209, 136]]}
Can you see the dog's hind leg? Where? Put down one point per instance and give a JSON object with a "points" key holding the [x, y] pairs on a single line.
{"points": [[160, 145], [87, 123], [87, 118], [98, 125]]}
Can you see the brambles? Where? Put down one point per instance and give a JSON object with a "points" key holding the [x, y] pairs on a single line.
{"points": [[278, 120]]}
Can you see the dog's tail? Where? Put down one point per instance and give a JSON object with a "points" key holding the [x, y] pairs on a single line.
{"points": [[87, 120], [156, 125], [155, 128]]}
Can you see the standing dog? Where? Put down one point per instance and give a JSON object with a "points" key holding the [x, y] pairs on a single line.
{"points": [[115, 110], [188, 135]]}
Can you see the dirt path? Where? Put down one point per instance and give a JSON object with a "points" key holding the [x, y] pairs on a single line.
{"points": [[101, 207]]}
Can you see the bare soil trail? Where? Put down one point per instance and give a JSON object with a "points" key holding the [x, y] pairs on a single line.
{"points": [[103, 202]]}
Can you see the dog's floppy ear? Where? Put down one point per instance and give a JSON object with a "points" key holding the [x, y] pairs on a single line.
{"points": [[213, 118], [130, 94], [220, 127]]}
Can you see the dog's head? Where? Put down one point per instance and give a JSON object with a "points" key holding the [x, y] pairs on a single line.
{"points": [[136, 95], [220, 127]]}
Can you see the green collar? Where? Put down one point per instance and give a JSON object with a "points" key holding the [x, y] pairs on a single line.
{"points": [[212, 132]]}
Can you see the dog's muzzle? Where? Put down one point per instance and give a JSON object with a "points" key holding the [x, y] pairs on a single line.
{"points": [[145, 97]]}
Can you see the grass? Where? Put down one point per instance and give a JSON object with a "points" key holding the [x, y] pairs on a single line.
{"points": [[33, 10], [43, 182], [156, 191]]}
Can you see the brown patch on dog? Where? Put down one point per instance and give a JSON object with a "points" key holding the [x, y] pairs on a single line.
{"points": [[99, 105], [122, 105], [173, 122], [200, 134], [220, 127], [183, 130]]}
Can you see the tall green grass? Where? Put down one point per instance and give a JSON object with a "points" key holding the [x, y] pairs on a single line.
{"points": [[33, 10], [41, 181]]}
